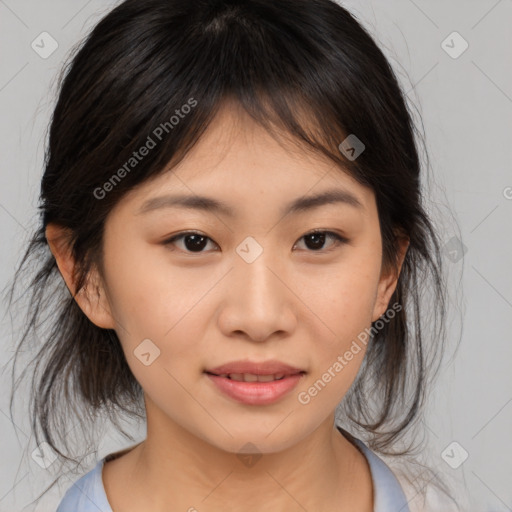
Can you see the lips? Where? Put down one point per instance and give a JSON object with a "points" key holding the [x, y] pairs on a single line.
{"points": [[255, 383], [251, 377], [251, 371], [255, 393]]}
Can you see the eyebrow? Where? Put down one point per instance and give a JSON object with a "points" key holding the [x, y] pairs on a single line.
{"points": [[209, 204]]}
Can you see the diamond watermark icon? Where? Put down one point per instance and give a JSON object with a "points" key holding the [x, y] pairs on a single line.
{"points": [[454, 249], [249, 455], [249, 249], [44, 45], [43, 455], [352, 147], [454, 455], [146, 352], [454, 45]]}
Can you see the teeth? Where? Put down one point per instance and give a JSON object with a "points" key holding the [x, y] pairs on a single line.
{"points": [[249, 377], [266, 378]]}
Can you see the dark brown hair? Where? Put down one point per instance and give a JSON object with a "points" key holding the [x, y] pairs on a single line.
{"points": [[302, 67]]}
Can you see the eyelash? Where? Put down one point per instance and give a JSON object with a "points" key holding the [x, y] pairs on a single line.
{"points": [[339, 240]]}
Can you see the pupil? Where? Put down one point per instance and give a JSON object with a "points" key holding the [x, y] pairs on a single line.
{"points": [[318, 240], [198, 242]]}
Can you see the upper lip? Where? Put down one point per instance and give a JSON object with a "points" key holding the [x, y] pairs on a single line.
{"points": [[270, 367]]}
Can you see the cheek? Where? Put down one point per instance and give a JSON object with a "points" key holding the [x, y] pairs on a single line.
{"points": [[342, 301], [165, 309], [344, 296], [148, 295], [153, 300]]}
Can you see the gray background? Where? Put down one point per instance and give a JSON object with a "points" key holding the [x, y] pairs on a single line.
{"points": [[466, 105]]}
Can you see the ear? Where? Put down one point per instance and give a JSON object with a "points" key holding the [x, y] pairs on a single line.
{"points": [[91, 298], [388, 280]]}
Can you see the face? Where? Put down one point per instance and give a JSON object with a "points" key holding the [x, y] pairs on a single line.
{"points": [[251, 283]]}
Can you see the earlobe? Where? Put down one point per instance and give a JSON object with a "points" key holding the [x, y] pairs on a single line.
{"points": [[388, 282], [94, 305]]}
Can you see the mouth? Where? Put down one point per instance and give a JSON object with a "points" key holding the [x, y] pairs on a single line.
{"points": [[254, 371], [252, 377], [252, 383]]}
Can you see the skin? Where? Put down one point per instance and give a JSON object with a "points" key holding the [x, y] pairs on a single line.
{"points": [[294, 303]]}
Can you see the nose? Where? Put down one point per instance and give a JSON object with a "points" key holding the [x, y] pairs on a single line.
{"points": [[260, 302]]}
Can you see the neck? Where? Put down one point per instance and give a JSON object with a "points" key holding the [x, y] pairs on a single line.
{"points": [[173, 466]]}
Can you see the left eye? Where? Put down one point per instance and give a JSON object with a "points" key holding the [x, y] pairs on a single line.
{"points": [[196, 242], [317, 238]]}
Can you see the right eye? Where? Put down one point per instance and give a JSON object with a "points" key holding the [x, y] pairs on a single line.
{"points": [[194, 242]]}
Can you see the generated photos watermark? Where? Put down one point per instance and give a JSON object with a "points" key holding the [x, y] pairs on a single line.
{"points": [[156, 136], [305, 397]]}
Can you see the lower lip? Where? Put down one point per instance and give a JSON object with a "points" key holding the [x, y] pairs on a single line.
{"points": [[256, 393]]}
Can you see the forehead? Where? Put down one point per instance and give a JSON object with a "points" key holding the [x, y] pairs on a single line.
{"points": [[234, 143], [237, 162]]}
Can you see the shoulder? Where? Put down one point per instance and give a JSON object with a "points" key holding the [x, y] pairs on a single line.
{"points": [[388, 493], [87, 494]]}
